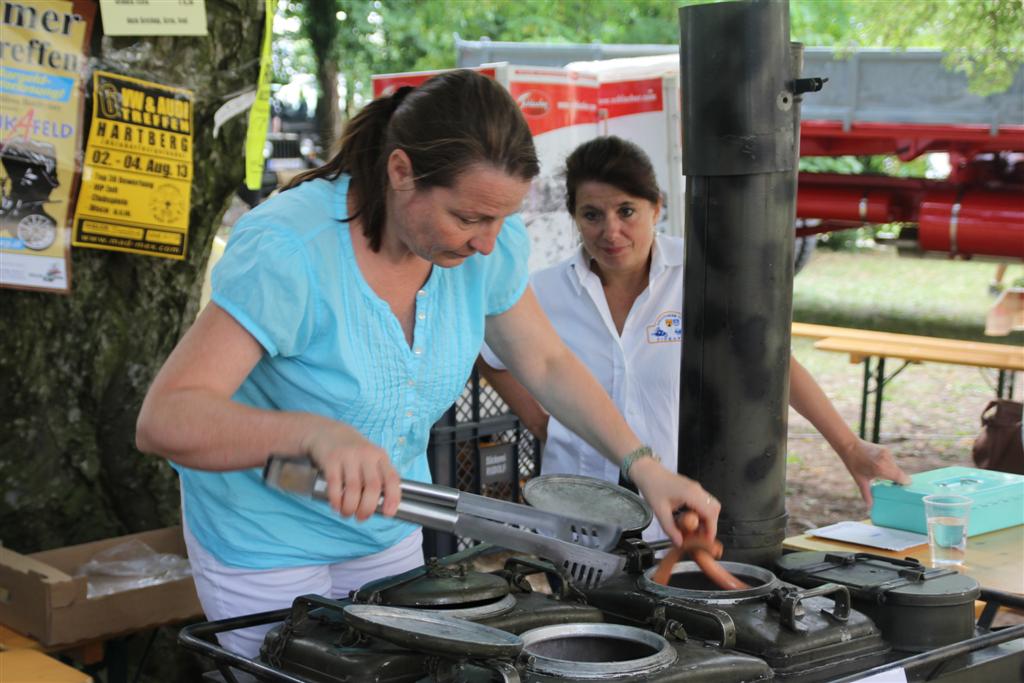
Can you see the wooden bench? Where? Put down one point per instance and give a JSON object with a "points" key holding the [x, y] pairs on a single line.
{"points": [[865, 345]]}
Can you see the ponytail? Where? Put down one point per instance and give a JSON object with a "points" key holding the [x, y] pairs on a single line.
{"points": [[360, 155]]}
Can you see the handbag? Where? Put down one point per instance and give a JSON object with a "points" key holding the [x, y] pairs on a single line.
{"points": [[999, 445]]}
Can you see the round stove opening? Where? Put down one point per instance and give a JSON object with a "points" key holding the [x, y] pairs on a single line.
{"points": [[591, 648], [585, 652], [689, 581], [699, 581]]}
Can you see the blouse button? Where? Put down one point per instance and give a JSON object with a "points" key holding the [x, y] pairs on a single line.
{"points": [[401, 440], [421, 293], [418, 351], [411, 383], [421, 316], [408, 413]]}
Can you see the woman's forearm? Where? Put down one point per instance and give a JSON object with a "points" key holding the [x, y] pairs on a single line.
{"points": [[196, 429], [518, 399], [808, 399], [579, 402]]}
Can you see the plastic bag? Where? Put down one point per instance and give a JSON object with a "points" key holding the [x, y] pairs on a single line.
{"points": [[131, 565]]}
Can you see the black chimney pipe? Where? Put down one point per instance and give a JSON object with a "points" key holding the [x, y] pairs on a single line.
{"points": [[740, 136]]}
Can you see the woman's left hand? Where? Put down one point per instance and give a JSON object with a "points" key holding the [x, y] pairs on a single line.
{"points": [[667, 492], [867, 461]]}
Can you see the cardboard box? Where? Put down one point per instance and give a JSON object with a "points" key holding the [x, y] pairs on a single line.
{"points": [[40, 596]]}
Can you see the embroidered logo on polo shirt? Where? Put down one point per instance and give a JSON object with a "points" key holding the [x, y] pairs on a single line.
{"points": [[668, 328]]}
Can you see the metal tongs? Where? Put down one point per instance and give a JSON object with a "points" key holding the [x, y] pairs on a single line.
{"points": [[578, 547]]}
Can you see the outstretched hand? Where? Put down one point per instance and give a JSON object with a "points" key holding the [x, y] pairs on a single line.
{"points": [[667, 492], [867, 461]]}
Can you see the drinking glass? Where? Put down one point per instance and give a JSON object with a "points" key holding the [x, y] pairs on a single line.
{"points": [[947, 528]]}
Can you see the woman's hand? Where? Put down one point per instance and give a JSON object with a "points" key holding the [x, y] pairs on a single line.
{"points": [[358, 472], [867, 461], [667, 492]]}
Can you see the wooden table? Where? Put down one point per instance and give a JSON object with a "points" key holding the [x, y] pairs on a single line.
{"points": [[865, 345], [995, 560], [32, 666]]}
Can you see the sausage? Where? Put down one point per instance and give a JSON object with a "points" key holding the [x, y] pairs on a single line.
{"points": [[687, 523], [718, 575], [704, 554], [664, 571]]}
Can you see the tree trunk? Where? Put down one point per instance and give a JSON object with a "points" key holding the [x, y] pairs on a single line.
{"points": [[328, 113], [74, 369], [321, 26]]}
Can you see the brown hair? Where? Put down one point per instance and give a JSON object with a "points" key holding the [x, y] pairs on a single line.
{"points": [[614, 161], [454, 120]]}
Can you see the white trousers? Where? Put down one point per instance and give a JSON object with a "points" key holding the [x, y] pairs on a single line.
{"points": [[227, 592]]}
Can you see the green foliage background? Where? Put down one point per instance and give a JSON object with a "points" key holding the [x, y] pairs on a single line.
{"points": [[984, 38]]}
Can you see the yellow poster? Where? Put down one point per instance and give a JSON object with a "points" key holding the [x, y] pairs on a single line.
{"points": [[43, 56], [259, 115], [137, 171]]}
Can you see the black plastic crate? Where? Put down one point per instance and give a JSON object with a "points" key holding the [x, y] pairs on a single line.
{"points": [[480, 447]]}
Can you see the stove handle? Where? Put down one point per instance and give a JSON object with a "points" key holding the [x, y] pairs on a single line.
{"points": [[721, 619], [790, 608]]}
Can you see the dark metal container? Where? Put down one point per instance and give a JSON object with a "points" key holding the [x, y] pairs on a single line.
{"points": [[804, 635], [316, 640], [616, 652], [917, 608]]}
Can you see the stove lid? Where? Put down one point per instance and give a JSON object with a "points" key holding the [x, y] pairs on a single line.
{"points": [[435, 585], [575, 496], [880, 579], [433, 633]]}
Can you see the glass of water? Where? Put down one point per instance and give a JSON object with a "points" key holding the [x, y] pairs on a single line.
{"points": [[947, 528]]}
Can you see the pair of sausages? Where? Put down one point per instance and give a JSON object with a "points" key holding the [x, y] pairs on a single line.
{"points": [[704, 553]]}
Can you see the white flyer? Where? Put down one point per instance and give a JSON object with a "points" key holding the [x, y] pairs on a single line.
{"points": [[870, 535]]}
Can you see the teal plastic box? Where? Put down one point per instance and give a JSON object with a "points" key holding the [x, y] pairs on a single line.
{"points": [[998, 499]]}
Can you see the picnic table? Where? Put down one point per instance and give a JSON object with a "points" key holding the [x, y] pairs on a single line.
{"points": [[872, 348]]}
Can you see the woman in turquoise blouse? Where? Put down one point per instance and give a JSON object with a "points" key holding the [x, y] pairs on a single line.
{"points": [[345, 317]]}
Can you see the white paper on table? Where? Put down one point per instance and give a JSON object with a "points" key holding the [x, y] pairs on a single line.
{"points": [[890, 676], [870, 535]]}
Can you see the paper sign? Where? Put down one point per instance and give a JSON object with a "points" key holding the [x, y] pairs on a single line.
{"points": [[154, 17], [259, 115], [137, 173], [44, 50], [890, 676], [870, 535]]}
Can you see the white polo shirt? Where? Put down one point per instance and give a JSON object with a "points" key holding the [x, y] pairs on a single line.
{"points": [[639, 370]]}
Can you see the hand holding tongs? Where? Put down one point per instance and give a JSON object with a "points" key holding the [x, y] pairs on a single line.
{"points": [[577, 546]]}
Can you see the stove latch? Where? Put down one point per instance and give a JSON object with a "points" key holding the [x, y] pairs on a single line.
{"points": [[788, 601]]}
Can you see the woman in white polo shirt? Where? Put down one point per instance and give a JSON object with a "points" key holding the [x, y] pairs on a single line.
{"points": [[617, 303]]}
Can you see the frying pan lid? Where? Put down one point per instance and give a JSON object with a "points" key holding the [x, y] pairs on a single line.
{"points": [[574, 496]]}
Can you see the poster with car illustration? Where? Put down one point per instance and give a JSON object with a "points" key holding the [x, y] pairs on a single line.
{"points": [[44, 58]]}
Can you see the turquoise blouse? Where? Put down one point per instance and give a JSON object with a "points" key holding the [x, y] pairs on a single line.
{"points": [[333, 347]]}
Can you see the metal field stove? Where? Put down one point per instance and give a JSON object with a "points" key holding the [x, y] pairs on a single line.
{"points": [[446, 623], [821, 618]]}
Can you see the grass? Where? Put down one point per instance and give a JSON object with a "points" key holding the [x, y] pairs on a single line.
{"points": [[878, 290]]}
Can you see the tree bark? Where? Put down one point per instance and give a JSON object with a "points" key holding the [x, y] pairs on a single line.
{"points": [[321, 26], [74, 369]]}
